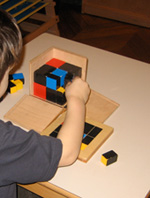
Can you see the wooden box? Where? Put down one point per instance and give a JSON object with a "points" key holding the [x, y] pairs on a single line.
{"points": [[34, 113], [62, 55]]}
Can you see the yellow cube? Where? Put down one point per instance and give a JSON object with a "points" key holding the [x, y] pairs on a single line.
{"points": [[61, 89], [18, 83], [13, 89], [83, 146], [109, 157]]}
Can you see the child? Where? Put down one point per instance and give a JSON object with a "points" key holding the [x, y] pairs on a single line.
{"points": [[27, 157]]}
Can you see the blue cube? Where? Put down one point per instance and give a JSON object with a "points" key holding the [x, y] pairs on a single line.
{"points": [[52, 81], [62, 74], [18, 76]]}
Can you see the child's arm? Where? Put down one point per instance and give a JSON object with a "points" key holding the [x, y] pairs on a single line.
{"points": [[71, 133]]}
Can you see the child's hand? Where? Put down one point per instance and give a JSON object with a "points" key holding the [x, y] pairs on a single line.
{"points": [[78, 89]]}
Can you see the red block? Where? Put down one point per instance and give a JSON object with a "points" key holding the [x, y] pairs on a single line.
{"points": [[55, 62], [39, 90]]}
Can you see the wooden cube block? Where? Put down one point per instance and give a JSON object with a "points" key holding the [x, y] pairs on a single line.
{"points": [[109, 157], [61, 73], [55, 62], [18, 76], [52, 81], [18, 83], [12, 88], [41, 73], [39, 90]]}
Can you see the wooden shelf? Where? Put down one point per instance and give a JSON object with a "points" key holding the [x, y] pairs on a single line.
{"points": [[34, 17]]}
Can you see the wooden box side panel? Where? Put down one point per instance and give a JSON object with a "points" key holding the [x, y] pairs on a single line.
{"points": [[99, 107], [33, 113], [50, 53], [36, 63]]}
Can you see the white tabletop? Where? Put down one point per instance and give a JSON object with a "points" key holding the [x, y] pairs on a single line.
{"points": [[125, 81]]}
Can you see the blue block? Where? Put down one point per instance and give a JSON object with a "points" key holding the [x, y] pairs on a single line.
{"points": [[18, 76], [51, 83], [62, 74]]}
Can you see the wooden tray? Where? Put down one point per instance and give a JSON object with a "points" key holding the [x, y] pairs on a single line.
{"points": [[87, 148]]}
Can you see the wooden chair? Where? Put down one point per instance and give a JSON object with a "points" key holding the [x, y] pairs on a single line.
{"points": [[33, 16]]}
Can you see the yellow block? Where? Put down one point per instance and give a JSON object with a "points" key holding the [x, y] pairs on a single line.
{"points": [[104, 160], [61, 89], [13, 89], [83, 146], [18, 83]]}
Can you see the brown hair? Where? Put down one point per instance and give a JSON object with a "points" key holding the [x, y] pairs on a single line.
{"points": [[10, 42]]}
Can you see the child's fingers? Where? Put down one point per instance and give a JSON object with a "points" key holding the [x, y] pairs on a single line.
{"points": [[73, 81], [69, 83]]}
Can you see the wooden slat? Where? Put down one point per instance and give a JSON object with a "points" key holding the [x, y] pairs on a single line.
{"points": [[12, 4], [30, 12], [23, 7], [40, 17], [28, 27], [43, 28], [3, 1]]}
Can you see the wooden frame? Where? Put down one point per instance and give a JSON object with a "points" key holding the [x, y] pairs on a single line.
{"points": [[89, 151]]}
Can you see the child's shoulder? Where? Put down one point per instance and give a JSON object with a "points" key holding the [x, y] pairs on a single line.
{"points": [[4, 124], [5, 127]]}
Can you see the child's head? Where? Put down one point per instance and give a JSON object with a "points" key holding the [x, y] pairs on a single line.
{"points": [[10, 47], [10, 42]]}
